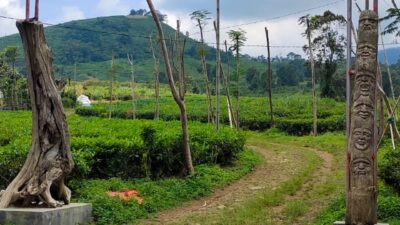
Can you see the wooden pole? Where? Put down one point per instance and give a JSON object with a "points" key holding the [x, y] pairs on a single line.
{"points": [[111, 87], [75, 78], [348, 94], [36, 10], [376, 6], [269, 79], [218, 69], [226, 84], [130, 60], [27, 9], [156, 81], [314, 92], [394, 4], [388, 69]]}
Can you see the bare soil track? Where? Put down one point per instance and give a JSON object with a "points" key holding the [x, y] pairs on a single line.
{"points": [[276, 168]]}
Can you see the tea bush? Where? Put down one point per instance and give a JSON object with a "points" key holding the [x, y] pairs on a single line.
{"points": [[105, 148], [292, 114]]}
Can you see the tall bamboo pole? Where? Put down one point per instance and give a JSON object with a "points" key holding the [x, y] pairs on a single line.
{"points": [[156, 81], [314, 92], [130, 60], [112, 74], [218, 69], [269, 78], [226, 84], [348, 94]]}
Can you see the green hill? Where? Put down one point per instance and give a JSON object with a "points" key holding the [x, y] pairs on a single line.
{"points": [[90, 43]]}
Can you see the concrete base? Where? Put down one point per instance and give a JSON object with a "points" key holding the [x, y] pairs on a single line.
{"points": [[343, 223], [72, 214]]}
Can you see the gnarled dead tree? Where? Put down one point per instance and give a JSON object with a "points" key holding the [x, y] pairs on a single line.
{"points": [[41, 179]]}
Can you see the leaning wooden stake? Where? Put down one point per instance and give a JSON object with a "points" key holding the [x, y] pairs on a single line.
{"points": [[156, 81], [269, 78], [188, 165], [112, 75], [225, 78], [314, 91], [133, 85], [388, 71], [218, 69], [361, 202], [49, 160]]}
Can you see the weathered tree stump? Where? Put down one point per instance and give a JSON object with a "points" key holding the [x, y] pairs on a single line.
{"points": [[41, 180], [361, 202]]}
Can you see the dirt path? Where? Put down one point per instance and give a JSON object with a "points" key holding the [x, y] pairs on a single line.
{"points": [[319, 178], [277, 168]]}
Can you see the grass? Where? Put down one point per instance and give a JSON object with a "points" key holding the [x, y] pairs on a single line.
{"points": [[255, 210], [157, 195], [295, 209]]}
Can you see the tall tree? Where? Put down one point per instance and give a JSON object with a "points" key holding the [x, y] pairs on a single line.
{"points": [[393, 14], [328, 45], [238, 38], [201, 17], [314, 94], [188, 164]]}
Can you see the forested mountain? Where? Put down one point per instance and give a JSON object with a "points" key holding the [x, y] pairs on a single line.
{"points": [[91, 43], [393, 55]]}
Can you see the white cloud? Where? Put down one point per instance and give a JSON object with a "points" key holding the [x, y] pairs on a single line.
{"points": [[10, 8], [72, 12], [283, 32], [113, 7]]}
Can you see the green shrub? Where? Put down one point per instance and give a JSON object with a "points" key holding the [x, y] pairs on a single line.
{"points": [[105, 148], [304, 126], [389, 167], [157, 195], [388, 208], [68, 99], [293, 113]]}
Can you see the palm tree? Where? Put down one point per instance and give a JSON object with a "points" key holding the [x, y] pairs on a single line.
{"points": [[392, 27], [201, 17], [238, 38]]}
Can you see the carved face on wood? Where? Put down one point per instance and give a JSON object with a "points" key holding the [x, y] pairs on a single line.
{"points": [[364, 83], [368, 21], [368, 24], [362, 138], [364, 108], [361, 174], [366, 51], [361, 167]]}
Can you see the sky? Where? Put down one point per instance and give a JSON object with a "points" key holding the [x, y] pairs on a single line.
{"points": [[279, 16]]}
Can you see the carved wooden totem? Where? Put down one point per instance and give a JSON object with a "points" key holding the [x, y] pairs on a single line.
{"points": [[361, 199]]}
